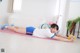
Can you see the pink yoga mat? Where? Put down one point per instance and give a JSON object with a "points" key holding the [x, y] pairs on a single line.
{"points": [[12, 32]]}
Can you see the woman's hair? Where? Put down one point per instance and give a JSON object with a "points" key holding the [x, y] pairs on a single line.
{"points": [[55, 26]]}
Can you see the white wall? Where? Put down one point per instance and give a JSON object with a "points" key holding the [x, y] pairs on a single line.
{"points": [[3, 11], [35, 12], [39, 8], [74, 9]]}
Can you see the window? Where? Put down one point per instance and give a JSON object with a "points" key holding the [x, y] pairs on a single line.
{"points": [[17, 5]]}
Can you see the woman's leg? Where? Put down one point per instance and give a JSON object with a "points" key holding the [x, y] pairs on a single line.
{"points": [[17, 29], [63, 39]]}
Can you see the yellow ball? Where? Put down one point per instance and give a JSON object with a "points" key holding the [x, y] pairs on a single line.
{"points": [[71, 36]]}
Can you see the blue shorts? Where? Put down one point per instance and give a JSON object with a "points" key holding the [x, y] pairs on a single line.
{"points": [[29, 30]]}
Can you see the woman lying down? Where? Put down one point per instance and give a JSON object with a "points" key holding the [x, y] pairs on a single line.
{"points": [[43, 33]]}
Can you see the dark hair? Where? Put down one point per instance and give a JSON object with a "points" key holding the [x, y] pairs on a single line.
{"points": [[55, 26]]}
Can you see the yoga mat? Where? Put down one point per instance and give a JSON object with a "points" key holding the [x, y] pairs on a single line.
{"points": [[13, 32]]}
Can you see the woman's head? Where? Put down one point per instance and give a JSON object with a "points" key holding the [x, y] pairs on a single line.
{"points": [[54, 28]]}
